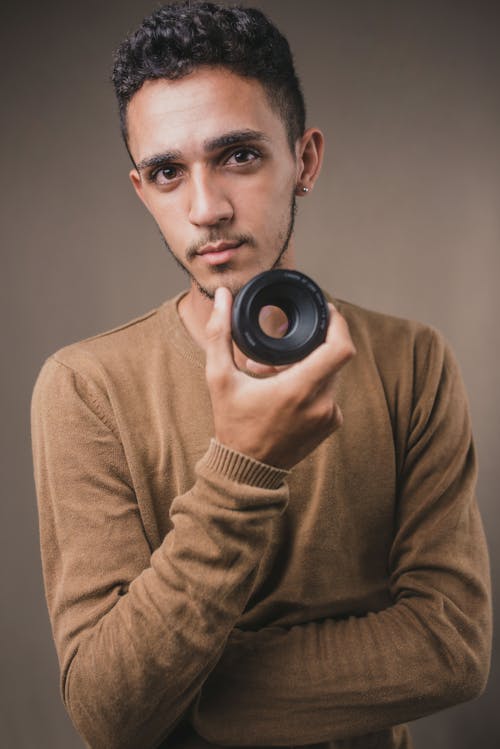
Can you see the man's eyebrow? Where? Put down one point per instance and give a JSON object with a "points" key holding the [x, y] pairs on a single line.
{"points": [[158, 159], [232, 138]]}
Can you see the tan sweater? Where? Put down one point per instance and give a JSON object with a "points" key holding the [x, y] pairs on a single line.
{"points": [[200, 598]]}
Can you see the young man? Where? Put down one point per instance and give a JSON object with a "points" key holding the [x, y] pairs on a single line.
{"points": [[236, 554]]}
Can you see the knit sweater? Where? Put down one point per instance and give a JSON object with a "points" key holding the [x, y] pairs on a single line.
{"points": [[201, 598]]}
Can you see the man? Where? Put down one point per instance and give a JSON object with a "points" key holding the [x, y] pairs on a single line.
{"points": [[236, 554]]}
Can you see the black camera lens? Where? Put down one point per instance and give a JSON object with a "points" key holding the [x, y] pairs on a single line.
{"points": [[297, 308]]}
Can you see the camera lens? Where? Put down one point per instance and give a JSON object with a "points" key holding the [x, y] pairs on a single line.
{"points": [[279, 317]]}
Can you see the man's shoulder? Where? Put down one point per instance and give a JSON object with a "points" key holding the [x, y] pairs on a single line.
{"points": [[380, 330], [118, 342], [397, 347], [124, 347]]}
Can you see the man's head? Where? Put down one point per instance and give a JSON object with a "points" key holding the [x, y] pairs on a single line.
{"points": [[213, 119], [177, 39]]}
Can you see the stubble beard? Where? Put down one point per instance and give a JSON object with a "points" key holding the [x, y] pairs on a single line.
{"points": [[226, 267]]}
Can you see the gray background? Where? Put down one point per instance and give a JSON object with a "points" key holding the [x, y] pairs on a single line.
{"points": [[405, 219]]}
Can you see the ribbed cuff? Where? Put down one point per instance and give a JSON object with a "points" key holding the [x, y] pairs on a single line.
{"points": [[241, 468]]}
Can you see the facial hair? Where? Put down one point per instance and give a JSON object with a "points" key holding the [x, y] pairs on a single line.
{"points": [[247, 238]]}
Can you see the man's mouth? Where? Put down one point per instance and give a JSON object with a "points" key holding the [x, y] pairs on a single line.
{"points": [[216, 253]]}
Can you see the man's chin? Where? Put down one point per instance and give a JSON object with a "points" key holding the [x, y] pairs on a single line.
{"points": [[232, 280]]}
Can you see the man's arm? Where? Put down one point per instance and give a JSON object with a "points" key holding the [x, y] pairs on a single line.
{"points": [[138, 633], [335, 679]]}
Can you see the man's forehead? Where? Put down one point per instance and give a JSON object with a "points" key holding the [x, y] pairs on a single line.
{"points": [[195, 109]]}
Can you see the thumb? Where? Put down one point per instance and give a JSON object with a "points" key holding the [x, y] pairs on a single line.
{"points": [[219, 349]]}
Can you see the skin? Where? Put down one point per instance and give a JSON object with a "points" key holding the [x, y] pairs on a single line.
{"points": [[213, 163]]}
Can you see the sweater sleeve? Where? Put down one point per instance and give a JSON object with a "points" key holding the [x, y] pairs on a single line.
{"points": [[136, 632], [335, 679]]}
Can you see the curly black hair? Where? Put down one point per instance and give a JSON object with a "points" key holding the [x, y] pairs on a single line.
{"points": [[178, 38]]}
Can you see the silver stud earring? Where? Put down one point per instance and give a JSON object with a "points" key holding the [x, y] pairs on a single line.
{"points": [[305, 189]]}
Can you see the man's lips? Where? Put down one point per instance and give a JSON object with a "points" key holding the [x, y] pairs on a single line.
{"points": [[219, 252], [218, 247]]}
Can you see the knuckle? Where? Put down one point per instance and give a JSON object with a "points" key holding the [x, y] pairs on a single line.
{"points": [[293, 394], [319, 414], [331, 416], [346, 350], [216, 377], [338, 417]]}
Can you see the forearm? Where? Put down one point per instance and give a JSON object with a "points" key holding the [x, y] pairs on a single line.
{"points": [[139, 667], [338, 679], [138, 632]]}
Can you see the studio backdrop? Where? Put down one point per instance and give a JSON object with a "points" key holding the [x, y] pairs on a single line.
{"points": [[404, 220]]}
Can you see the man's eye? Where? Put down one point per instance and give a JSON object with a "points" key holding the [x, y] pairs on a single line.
{"points": [[165, 175], [243, 156]]}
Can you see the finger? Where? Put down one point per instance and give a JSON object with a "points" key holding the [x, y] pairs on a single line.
{"points": [[263, 370], [335, 321], [219, 350], [338, 347], [329, 356]]}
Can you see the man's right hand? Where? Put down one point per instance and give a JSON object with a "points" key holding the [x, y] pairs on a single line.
{"points": [[279, 419]]}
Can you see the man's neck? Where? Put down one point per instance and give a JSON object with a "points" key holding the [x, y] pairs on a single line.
{"points": [[195, 310]]}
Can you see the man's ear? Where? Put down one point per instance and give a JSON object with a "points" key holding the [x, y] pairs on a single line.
{"points": [[138, 185], [309, 151]]}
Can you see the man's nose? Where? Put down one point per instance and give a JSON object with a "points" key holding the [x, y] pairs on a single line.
{"points": [[209, 203]]}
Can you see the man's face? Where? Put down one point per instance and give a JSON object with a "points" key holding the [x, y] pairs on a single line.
{"points": [[215, 170]]}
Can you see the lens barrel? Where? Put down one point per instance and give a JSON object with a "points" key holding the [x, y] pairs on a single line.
{"points": [[304, 305]]}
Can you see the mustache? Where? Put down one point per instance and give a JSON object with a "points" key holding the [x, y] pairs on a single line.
{"points": [[217, 236]]}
